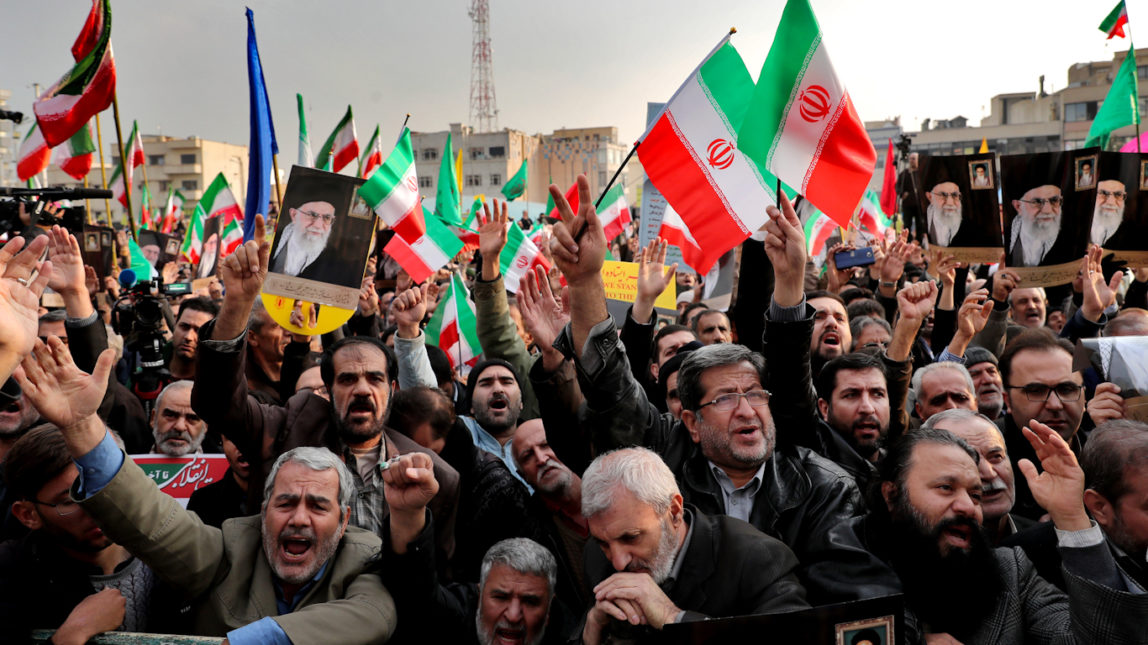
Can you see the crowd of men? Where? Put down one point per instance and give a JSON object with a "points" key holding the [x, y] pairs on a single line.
{"points": [[915, 427]]}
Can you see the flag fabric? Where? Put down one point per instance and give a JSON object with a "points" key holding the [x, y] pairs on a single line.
{"points": [[549, 197], [172, 210], [139, 264], [802, 124], [818, 229], [519, 257], [889, 183], [1114, 22], [76, 155], [219, 201], [447, 201], [690, 156], [192, 245], [516, 185], [232, 236], [458, 170], [454, 328], [263, 147], [305, 157], [145, 209], [427, 254], [372, 155], [88, 88], [613, 212], [1120, 107], [475, 209], [984, 145], [34, 154], [342, 147], [871, 213], [392, 191], [675, 231], [135, 156], [571, 198]]}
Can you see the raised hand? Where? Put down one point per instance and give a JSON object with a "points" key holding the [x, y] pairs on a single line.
{"points": [[492, 237], [409, 308], [1106, 404], [409, 483], [368, 297], [785, 246], [22, 280], [974, 313], [543, 316], [1004, 281], [916, 300], [579, 242], [67, 273], [1098, 295], [836, 277], [1060, 488], [653, 278], [244, 271]]}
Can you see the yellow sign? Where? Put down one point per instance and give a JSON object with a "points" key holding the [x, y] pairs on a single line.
{"points": [[328, 319], [621, 280]]}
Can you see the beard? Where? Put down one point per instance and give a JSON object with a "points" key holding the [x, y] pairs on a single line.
{"points": [[663, 562], [556, 485], [351, 433], [490, 422], [303, 248], [1105, 220], [324, 551], [192, 444], [718, 446], [486, 637], [1038, 237], [945, 220], [951, 592]]}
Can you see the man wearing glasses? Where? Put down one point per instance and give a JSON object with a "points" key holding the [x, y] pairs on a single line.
{"points": [[303, 241], [1036, 229], [1036, 368], [1108, 228], [944, 213]]}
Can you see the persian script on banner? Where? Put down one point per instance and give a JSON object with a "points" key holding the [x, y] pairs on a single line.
{"points": [[182, 476]]}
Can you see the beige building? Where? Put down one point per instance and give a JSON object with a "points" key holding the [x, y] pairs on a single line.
{"points": [[187, 165], [9, 143]]}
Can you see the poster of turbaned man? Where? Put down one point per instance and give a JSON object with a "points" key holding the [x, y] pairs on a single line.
{"points": [[959, 198], [1120, 217], [1049, 199], [322, 240]]}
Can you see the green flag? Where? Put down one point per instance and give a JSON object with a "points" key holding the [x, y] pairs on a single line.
{"points": [[514, 188], [447, 201], [1120, 107], [549, 197], [139, 264]]}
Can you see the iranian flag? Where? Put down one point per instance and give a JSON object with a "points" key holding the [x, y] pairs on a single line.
{"points": [[219, 201], [193, 240], [426, 254], [75, 156], [392, 191], [453, 327], [88, 88], [613, 213], [145, 209], [676, 232], [305, 158], [135, 155], [818, 229], [690, 156], [172, 210], [571, 198], [1114, 22], [519, 257], [34, 154], [802, 124], [232, 236], [372, 156], [341, 148], [870, 215]]}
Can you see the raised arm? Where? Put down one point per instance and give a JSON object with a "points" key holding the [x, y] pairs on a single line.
{"points": [[22, 280], [410, 307]]}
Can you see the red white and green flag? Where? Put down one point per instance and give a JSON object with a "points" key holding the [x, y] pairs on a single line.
{"points": [[677, 232], [192, 245], [428, 253], [690, 156], [448, 199], [172, 210], [219, 201], [571, 198], [341, 148], [454, 328], [392, 191], [613, 212], [801, 123], [232, 235], [88, 88], [519, 257], [1114, 22], [135, 155], [34, 154], [76, 155], [372, 156], [145, 209], [871, 216]]}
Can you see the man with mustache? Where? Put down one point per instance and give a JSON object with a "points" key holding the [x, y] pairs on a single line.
{"points": [[1035, 238], [1109, 229], [982, 366], [943, 213], [177, 429], [832, 336], [941, 386], [293, 574], [495, 395], [303, 241], [925, 526], [358, 371]]}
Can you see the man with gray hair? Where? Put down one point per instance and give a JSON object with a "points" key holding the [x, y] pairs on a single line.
{"points": [[514, 600], [177, 429], [942, 386], [663, 561], [293, 574]]}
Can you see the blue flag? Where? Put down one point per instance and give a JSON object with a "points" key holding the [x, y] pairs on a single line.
{"points": [[263, 145]]}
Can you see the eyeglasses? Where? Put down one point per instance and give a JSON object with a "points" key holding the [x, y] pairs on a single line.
{"points": [[1038, 392], [1118, 195], [326, 217], [956, 197], [1039, 202], [63, 509], [727, 402]]}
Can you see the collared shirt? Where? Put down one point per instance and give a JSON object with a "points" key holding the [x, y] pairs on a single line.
{"points": [[738, 501], [369, 500], [483, 440]]}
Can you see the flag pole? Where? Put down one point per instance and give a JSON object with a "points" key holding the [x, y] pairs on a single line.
{"points": [[123, 168], [103, 171], [403, 127], [88, 204], [146, 185], [278, 188], [616, 173]]}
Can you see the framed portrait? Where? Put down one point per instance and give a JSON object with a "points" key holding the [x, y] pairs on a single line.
{"points": [[981, 174], [1144, 174], [92, 242], [1086, 172], [172, 247], [105, 239], [875, 631]]}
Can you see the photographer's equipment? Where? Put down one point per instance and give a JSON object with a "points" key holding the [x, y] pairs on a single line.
{"points": [[72, 219], [855, 258], [138, 316]]}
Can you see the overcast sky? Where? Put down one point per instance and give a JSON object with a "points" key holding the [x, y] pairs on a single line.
{"points": [[182, 68]]}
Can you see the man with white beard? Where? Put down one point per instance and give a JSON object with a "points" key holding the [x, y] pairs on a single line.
{"points": [[304, 239], [944, 212], [1109, 213], [1036, 227]]}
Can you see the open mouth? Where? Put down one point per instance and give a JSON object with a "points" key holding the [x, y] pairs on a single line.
{"points": [[360, 408], [499, 404], [959, 535], [294, 549], [749, 432], [831, 339], [509, 634]]}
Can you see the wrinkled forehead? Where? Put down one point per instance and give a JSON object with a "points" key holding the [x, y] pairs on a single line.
{"points": [[982, 435], [494, 373], [827, 304], [529, 434], [359, 357]]}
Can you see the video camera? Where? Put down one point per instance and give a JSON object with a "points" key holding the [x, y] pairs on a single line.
{"points": [[138, 315], [34, 201]]}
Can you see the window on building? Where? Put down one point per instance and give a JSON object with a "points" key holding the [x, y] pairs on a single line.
{"points": [[476, 153], [189, 184], [497, 152], [474, 180], [164, 185], [496, 179], [425, 182], [1142, 71], [1083, 111], [155, 160], [187, 159], [430, 154]]}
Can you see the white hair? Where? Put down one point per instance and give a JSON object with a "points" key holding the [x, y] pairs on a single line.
{"points": [[317, 459], [638, 470]]}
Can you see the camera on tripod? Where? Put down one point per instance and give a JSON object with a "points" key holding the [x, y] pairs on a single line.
{"points": [[138, 315]]}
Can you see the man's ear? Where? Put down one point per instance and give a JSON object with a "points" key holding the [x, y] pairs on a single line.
{"points": [[889, 493], [690, 418], [25, 511], [917, 409], [823, 408], [1098, 507], [653, 372], [677, 509]]}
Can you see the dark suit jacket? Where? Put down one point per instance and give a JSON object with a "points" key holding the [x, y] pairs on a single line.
{"points": [[730, 569], [1061, 251], [971, 235], [1126, 238]]}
